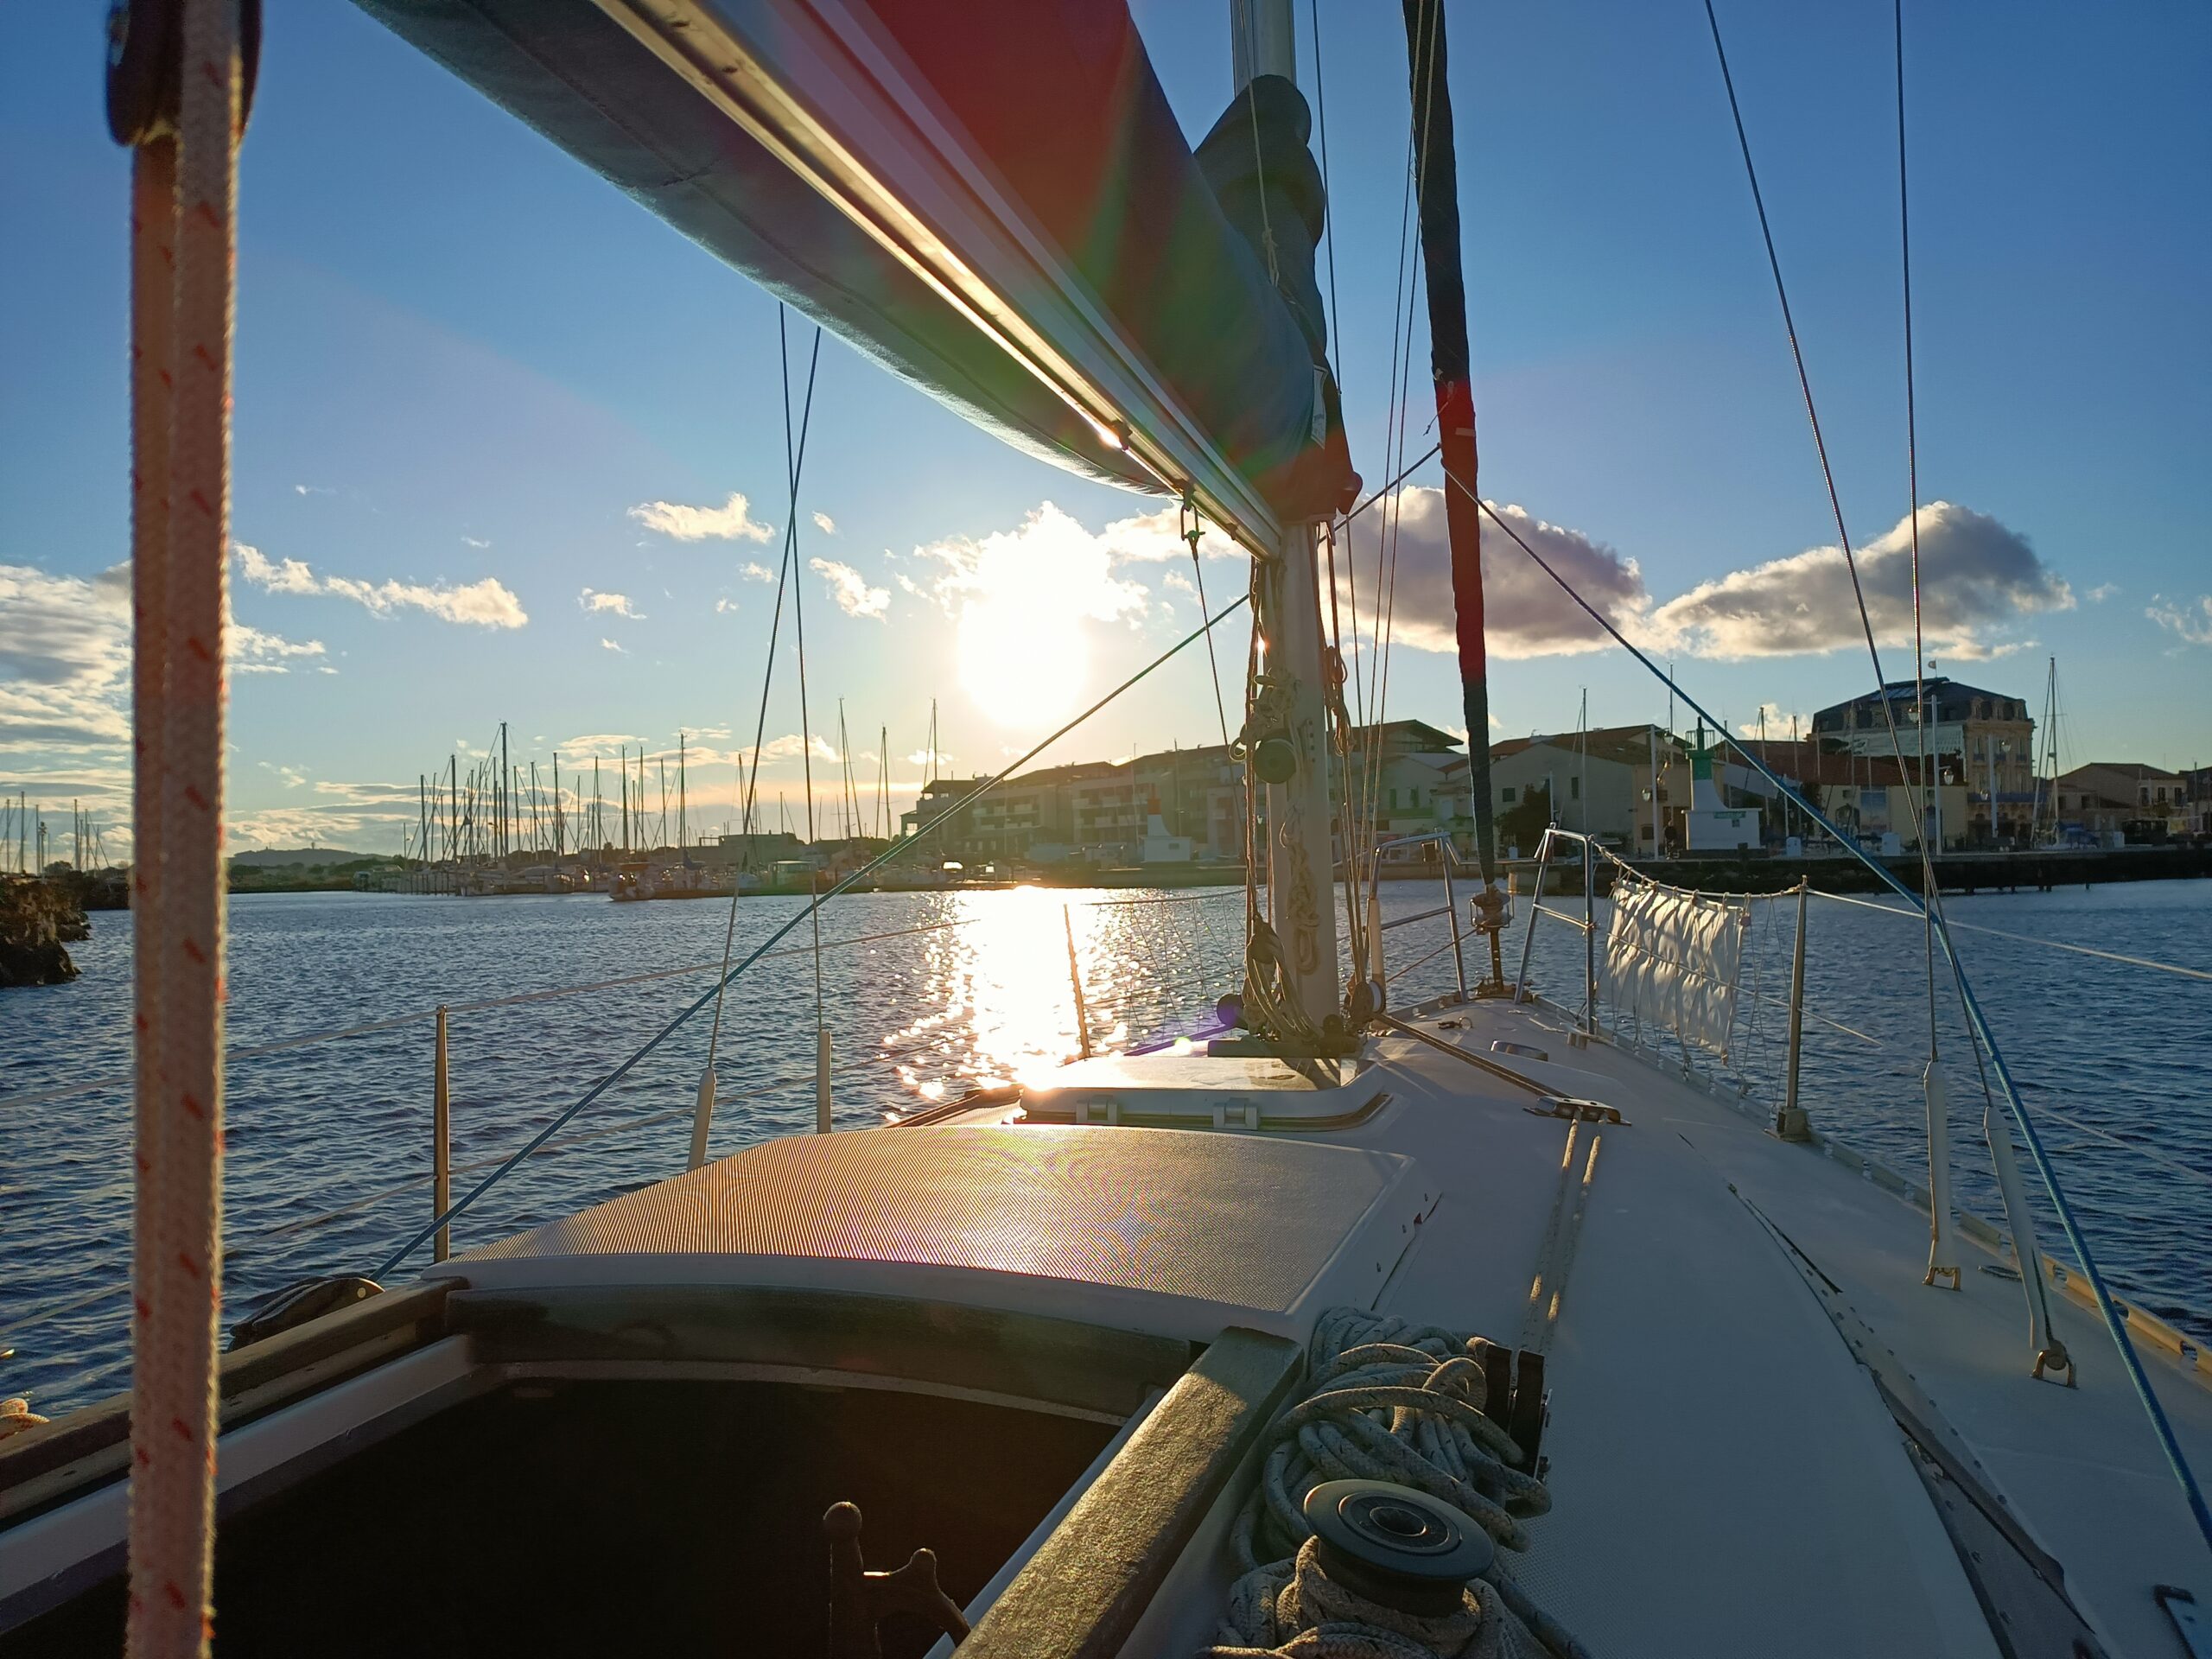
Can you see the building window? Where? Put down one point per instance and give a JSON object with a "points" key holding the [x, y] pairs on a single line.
{"points": [[1508, 795], [1574, 788], [1394, 800]]}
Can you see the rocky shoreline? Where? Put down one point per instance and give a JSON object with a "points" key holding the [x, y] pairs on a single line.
{"points": [[39, 919]]}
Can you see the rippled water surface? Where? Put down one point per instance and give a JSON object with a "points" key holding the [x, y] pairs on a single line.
{"points": [[330, 1140]]}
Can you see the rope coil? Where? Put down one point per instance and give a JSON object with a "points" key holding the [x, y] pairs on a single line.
{"points": [[1390, 1400]]}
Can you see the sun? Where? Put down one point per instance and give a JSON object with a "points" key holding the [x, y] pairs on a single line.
{"points": [[1023, 658]]}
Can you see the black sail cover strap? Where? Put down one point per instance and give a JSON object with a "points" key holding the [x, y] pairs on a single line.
{"points": [[1437, 180]]}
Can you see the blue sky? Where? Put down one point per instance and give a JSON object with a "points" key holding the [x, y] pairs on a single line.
{"points": [[465, 364]]}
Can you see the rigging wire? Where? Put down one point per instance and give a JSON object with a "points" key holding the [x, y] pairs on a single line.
{"points": [[1393, 450], [1387, 600], [1328, 225], [747, 821], [1912, 494], [1931, 901], [1192, 530], [798, 630], [1914, 786], [896, 849]]}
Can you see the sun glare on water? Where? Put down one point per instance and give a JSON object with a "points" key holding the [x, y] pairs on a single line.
{"points": [[998, 983]]}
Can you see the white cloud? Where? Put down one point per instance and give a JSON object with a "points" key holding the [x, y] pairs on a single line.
{"points": [[731, 522], [1021, 598], [595, 602], [724, 605], [64, 658], [788, 746], [487, 603], [311, 489], [1780, 723], [1150, 538], [255, 651], [2190, 620], [292, 775], [470, 540], [605, 743], [825, 523], [608, 645], [850, 589], [2102, 591], [752, 570], [1525, 614], [1977, 576]]}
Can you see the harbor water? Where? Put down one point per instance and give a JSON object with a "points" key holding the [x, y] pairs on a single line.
{"points": [[927, 996]]}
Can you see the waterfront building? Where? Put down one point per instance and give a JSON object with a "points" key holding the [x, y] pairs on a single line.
{"points": [[1863, 795], [2131, 798], [757, 851], [1628, 785], [1982, 741], [1098, 812]]}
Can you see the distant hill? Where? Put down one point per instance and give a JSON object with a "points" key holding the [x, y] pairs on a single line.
{"points": [[296, 858]]}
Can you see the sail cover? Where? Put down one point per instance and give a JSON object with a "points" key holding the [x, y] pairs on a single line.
{"points": [[963, 192], [1672, 960]]}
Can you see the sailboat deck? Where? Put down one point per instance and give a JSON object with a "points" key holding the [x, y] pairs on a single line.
{"points": [[1721, 1463]]}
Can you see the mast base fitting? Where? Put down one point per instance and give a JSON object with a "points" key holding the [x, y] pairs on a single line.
{"points": [[1491, 990]]}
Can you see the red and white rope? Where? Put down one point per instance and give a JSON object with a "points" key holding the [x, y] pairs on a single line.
{"points": [[180, 1260]]}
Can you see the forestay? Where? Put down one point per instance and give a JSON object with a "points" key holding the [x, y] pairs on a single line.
{"points": [[1672, 960]]}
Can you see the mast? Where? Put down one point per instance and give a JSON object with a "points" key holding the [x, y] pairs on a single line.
{"points": [[505, 780], [682, 797], [1300, 818], [1437, 184]]}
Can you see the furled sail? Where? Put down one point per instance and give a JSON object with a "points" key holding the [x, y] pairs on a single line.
{"points": [[992, 200]]}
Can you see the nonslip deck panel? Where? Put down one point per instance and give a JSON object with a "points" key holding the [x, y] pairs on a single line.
{"points": [[1233, 1220]]}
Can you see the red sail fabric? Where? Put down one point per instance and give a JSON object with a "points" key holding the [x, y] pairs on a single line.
{"points": [[1057, 102]]}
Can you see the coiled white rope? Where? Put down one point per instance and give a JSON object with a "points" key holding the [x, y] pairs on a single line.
{"points": [[179, 1255], [1293, 1610], [1392, 1400]]}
